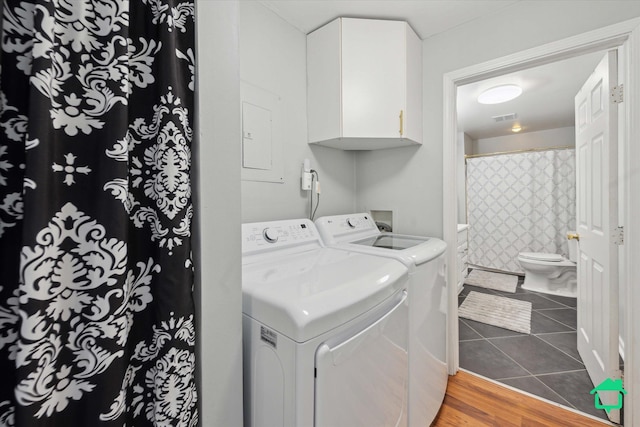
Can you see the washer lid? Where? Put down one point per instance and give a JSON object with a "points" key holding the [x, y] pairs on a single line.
{"points": [[392, 241], [307, 294], [540, 256], [358, 232], [416, 251]]}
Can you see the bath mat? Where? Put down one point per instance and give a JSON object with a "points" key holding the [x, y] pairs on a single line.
{"points": [[498, 311], [490, 280]]}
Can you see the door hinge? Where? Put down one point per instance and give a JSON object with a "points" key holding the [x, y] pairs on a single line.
{"points": [[618, 236], [617, 94]]}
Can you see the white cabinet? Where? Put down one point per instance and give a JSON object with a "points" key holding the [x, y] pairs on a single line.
{"points": [[364, 84], [463, 254]]}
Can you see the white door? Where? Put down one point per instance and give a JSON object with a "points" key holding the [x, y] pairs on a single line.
{"points": [[597, 198]]}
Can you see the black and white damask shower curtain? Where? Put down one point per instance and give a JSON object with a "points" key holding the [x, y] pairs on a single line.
{"points": [[96, 304]]}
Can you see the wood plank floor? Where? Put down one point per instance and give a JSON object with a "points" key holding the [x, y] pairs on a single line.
{"points": [[473, 401]]}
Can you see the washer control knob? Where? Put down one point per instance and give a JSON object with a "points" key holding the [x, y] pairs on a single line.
{"points": [[270, 235], [351, 222]]}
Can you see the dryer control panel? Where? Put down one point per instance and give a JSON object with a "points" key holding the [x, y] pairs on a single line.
{"points": [[278, 235]]}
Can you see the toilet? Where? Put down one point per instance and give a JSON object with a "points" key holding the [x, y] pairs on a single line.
{"points": [[551, 273]]}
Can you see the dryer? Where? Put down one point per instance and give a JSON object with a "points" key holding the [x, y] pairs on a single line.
{"points": [[325, 331], [425, 259]]}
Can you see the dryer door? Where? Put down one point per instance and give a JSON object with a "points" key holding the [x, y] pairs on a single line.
{"points": [[361, 376]]}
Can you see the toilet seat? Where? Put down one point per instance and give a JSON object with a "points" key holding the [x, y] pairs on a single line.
{"points": [[540, 256]]}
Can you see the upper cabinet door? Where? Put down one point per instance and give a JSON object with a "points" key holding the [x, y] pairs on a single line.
{"points": [[364, 84], [373, 78]]}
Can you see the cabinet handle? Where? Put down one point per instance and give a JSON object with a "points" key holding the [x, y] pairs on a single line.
{"points": [[401, 121]]}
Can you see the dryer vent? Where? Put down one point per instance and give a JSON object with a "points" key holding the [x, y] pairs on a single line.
{"points": [[383, 219], [505, 117]]}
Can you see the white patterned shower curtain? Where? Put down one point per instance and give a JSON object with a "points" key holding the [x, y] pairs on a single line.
{"points": [[521, 202]]}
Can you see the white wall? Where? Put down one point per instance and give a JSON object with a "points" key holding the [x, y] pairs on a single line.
{"points": [[413, 177], [467, 148], [273, 57], [218, 290], [560, 137], [468, 145], [464, 141]]}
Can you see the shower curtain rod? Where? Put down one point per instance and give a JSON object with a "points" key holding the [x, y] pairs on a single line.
{"points": [[498, 153]]}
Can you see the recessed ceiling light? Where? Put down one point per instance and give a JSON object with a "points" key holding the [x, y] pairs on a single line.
{"points": [[499, 94], [516, 128]]}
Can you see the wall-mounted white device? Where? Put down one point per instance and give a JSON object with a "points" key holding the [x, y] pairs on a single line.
{"points": [[305, 179]]}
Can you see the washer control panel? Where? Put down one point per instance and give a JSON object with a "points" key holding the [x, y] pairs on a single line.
{"points": [[346, 228], [348, 223], [357, 222], [277, 234]]}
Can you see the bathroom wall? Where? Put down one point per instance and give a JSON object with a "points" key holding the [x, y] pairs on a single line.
{"points": [[273, 58], [218, 289], [560, 137], [413, 176], [465, 146], [468, 145]]}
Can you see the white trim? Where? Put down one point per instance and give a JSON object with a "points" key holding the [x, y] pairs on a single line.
{"points": [[450, 219], [627, 33], [631, 248], [601, 39]]}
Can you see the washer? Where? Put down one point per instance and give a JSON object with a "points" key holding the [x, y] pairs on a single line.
{"points": [[325, 331], [425, 259]]}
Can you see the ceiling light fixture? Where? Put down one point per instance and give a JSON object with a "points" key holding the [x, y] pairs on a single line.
{"points": [[499, 94], [516, 128]]}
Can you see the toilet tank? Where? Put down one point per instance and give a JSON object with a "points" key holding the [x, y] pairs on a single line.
{"points": [[573, 248]]}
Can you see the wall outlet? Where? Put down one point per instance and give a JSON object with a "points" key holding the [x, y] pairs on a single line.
{"points": [[305, 181], [305, 178]]}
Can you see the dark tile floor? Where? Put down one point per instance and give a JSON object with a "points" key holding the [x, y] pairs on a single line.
{"points": [[545, 363]]}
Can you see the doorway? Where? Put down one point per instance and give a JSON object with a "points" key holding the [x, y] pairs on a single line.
{"points": [[625, 35], [521, 197]]}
